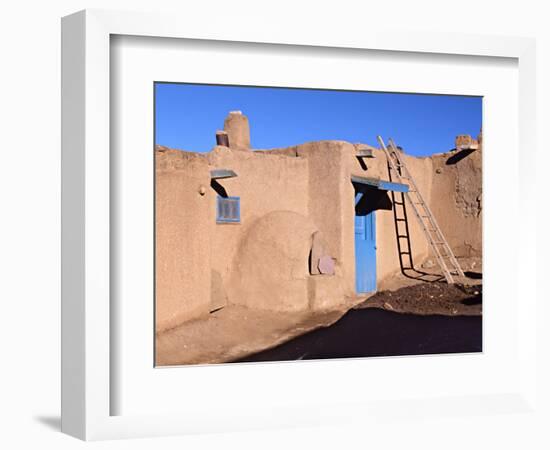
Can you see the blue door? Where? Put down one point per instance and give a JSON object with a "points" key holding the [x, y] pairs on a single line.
{"points": [[365, 252]]}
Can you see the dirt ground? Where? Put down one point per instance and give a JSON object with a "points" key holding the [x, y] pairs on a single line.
{"points": [[234, 332], [430, 298], [423, 291]]}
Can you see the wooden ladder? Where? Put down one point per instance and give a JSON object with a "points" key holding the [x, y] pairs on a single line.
{"points": [[444, 255]]}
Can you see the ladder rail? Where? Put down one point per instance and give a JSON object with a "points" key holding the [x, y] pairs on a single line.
{"points": [[402, 173], [439, 258], [431, 217], [433, 245], [404, 220], [439, 234], [427, 233], [403, 236]]}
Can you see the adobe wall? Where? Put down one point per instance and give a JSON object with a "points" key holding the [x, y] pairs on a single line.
{"points": [[331, 208], [332, 205], [387, 257], [420, 169], [270, 269], [451, 184], [182, 250], [457, 199], [331, 202], [287, 195], [265, 183]]}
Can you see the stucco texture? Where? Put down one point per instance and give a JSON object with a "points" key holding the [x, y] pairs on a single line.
{"points": [[457, 200], [270, 270], [287, 195], [182, 263], [264, 183]]}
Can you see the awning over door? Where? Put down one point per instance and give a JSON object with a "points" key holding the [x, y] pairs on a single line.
{"points": [[220, 174], [380, 184]]}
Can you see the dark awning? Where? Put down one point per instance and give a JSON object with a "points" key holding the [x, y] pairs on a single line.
{"points": [[380, 184]]}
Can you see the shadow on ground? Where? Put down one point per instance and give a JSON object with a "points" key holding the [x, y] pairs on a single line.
{"points": [[376, 332], [51, 422]]}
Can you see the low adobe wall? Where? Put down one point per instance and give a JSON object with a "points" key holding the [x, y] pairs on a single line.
{"points": [[287, 195], [182, 251]]}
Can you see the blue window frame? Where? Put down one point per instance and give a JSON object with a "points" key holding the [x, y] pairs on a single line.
{"points": [[228, 209]]}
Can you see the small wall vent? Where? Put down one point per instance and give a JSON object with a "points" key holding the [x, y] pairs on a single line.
{"points": [[228, 210]]}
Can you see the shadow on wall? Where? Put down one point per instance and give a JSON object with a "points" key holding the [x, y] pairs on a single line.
{"points": [[403, 239], [376, 199], [457, 157], [218, 298], [362, 162], [473, 275], [372, 200], [220, 190]]}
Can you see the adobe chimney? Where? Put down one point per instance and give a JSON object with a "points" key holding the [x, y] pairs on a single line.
{"points": [[238, 130]]}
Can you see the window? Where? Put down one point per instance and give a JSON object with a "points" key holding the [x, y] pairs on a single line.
{"points": [[228, 210]]}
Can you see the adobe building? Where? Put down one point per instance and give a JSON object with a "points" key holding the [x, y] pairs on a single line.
{"points": [[304, 228]]}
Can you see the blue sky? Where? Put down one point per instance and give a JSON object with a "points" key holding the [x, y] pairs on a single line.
{"points": [[188, 115]]}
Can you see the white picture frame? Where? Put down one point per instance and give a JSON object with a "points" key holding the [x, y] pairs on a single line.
{"points": [[87, 352]]}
